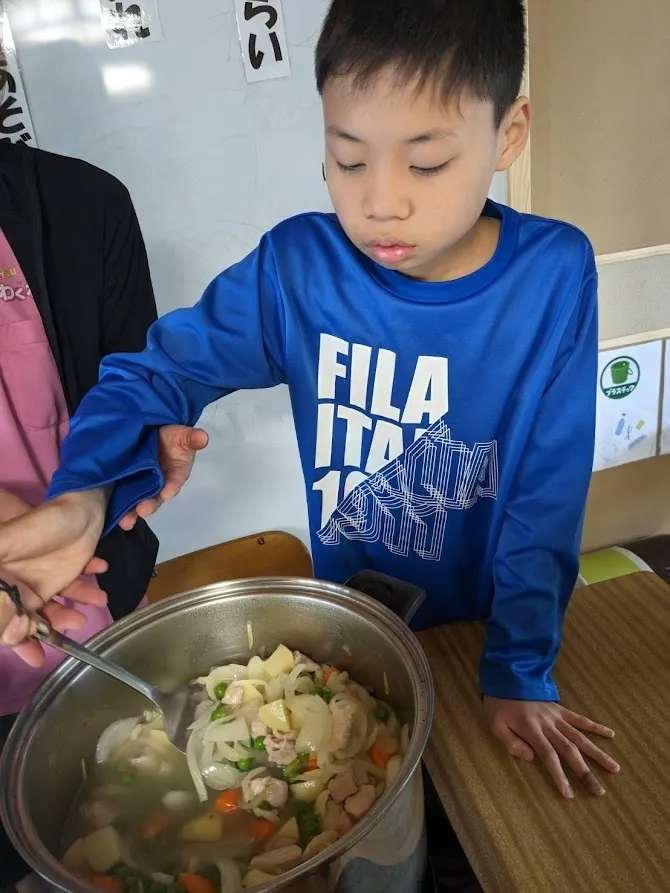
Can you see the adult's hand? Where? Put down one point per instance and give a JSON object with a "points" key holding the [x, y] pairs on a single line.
{"points": [[44, 551], [178, 446]]}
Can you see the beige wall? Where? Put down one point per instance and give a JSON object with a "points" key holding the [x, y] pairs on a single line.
{"points": [[628, 503], [600, 88], [600, 75]]}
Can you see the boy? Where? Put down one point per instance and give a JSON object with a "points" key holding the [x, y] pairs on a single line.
{"points": [[440, 351]]}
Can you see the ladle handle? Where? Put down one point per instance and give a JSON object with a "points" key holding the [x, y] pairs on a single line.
{"points": [[44, 632]]}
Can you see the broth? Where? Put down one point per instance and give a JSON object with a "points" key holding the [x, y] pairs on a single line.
{"points": [[284, 757]]}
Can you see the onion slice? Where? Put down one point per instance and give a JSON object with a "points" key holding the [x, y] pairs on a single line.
{"points": [[115, 736]]}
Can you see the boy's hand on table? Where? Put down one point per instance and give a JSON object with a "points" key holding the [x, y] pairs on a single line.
{"points": [[556, 735], [177, 449], [44, 551]]}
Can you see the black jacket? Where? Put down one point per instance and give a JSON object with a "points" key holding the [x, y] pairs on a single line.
{"points": [[75, 235]]}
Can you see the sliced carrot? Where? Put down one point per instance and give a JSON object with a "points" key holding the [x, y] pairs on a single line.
{"points": [[328, 674], [104, 882], [312, 763], [379, 756], [196, 883], [228, 801], [155, 825], [262, 829]]}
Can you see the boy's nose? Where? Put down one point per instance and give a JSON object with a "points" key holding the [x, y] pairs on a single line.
{"points": [[385, 200]]}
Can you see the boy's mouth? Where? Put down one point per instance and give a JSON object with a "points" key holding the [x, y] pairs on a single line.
{"points": [[390, 251]]}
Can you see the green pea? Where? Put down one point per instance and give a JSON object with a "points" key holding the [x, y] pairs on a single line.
{"points": [[258, 743], [125, 775], [220, 690], [324, 692], [382, 713], [218, 713], [245, 764]]}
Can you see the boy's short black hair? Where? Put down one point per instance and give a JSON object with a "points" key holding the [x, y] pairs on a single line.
{"points": [[478, 46]]}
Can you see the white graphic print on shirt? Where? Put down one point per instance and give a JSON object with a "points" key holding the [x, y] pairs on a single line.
{"points": [[405, 472], [13, 292]]}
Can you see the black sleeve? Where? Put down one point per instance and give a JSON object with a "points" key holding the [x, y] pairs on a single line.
{"points": [[129, 307]]}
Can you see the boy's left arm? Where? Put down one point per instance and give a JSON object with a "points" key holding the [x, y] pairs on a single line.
{"points": [[536, 566]]}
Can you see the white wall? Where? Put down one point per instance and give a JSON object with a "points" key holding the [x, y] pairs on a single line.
{"points": [[200, 151]]}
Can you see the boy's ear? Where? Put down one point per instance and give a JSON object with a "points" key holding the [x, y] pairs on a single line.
{"points": [[514, 133]]}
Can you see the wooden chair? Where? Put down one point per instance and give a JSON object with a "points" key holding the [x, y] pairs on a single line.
{"points": [[271, 554]]}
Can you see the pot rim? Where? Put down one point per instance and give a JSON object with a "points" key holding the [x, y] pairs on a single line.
{"points": [[13, 810]]}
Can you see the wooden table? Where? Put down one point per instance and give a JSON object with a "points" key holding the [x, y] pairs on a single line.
{"points": [[519, 834]]}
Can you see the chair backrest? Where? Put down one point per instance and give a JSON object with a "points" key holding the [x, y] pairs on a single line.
{"points": [[262, 555]]}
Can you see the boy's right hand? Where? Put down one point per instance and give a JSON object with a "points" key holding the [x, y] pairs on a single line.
{"points": [[177, 449], [558, 736], [44, 552]]}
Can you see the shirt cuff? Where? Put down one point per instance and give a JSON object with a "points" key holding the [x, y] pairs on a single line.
{"points": [[142, 479], [499, 681]]}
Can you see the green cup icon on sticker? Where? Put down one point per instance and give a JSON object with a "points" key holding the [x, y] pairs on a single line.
{"points": [[620, 377], [621, 371]]}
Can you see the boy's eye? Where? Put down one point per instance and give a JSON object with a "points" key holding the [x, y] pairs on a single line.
{"points": [[350, 168], [422, 171], [429, 171]]}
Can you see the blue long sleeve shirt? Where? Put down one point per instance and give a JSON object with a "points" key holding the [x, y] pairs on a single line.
{"points": [[445, 429]]}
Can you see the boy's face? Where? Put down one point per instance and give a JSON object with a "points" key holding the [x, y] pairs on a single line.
{"points": [[409, 176]]}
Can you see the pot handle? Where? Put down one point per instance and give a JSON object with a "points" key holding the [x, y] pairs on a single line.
{"points": [[403, 598]]}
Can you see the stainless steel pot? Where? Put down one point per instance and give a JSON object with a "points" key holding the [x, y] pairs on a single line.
{"points": [[183, 637]]}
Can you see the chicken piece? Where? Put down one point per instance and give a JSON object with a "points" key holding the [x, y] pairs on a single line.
{"points": [[147, 761], [336, 819], [277, 861], [361, 802], [343, 785], [234, 695], [320, 843], [277, 843], [259, 729], [280, 747], [309, 664], [361, 775], [99, 813], [274, 791], [343, 716]]}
